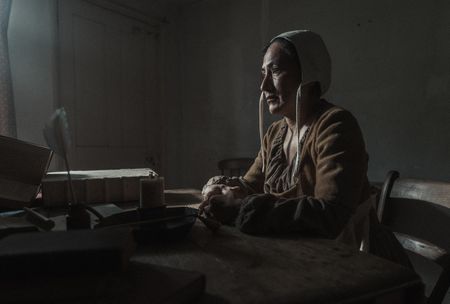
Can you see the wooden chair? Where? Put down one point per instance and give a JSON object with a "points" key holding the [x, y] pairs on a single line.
{"points": [[418, 211], [235, 166]]}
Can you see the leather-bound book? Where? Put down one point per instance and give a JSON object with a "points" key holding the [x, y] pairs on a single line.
{"points": [[140, 284], [61, 252], [91, 266]]}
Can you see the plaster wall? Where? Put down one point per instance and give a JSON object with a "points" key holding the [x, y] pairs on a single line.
{"points": [[31, 36], [171, 101], [391, 69]]}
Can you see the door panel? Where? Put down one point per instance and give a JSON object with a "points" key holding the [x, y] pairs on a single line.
{"points": [[134, 90], [107, 85], [90, 83]]}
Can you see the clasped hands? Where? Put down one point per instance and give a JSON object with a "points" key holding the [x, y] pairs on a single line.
{"points": [[221, 202]]}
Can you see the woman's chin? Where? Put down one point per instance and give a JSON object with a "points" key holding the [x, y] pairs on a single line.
{"points": [[275, 110]]}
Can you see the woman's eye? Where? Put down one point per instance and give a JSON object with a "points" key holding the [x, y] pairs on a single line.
{"points": [[276, 71]]}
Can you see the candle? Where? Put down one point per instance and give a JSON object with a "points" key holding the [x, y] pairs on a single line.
{"points": [[151, 192]]}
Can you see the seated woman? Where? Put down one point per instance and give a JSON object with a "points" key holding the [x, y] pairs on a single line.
{"points": [[310, 175]]}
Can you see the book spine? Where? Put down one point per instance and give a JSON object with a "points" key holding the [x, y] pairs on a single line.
{"points": [[131, 188], [92, 190], [95, 190], [113, 190], [79, 187]]}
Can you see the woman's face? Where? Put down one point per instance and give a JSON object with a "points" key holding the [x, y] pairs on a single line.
{"points": [[281, 77]]}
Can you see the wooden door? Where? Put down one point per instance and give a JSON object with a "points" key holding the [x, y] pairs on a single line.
{"points": [[108, 75]]}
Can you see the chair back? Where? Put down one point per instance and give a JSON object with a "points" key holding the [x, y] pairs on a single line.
{"points": [[235, 166], [418, 211]]}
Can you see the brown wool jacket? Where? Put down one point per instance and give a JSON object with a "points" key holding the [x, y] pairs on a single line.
{"points": [[331, 182]]}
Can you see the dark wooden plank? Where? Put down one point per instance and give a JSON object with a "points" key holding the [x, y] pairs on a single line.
{"points": [[435, 192]]}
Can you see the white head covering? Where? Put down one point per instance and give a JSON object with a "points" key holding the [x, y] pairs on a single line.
{"points": [[315, 65]]}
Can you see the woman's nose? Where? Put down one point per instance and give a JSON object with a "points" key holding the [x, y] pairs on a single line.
{"points": [[266, 83]]}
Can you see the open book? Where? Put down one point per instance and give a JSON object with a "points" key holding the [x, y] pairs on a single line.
{"points": [[22, 166]]}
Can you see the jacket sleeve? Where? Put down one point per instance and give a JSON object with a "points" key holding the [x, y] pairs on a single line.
{"points": [[255, 177], [340, 163]]}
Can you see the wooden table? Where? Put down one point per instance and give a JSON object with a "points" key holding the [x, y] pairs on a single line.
{"points": [[240, 268]]}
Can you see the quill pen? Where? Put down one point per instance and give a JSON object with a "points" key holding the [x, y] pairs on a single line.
{"points": [[57, 136]]}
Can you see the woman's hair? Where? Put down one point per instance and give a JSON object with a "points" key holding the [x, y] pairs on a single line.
{"points": [[288, 47]]}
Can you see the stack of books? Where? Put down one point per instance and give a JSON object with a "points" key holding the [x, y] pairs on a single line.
{"points": [[95, 186]]}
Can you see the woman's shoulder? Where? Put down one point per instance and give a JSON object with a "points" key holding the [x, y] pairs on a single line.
{"points": [[334, 124], [329, 113]]}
